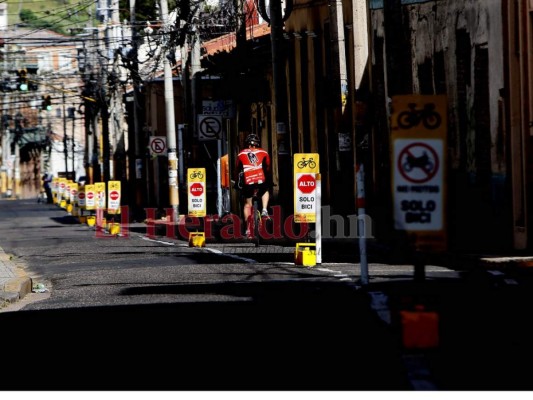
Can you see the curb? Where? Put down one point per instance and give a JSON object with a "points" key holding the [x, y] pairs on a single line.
{"points": [[18, 285], [15, 289]]}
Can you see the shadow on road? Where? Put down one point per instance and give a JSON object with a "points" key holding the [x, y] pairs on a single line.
{"points": [[300, 345]]}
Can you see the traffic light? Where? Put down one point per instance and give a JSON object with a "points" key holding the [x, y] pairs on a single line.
{"points": [[23, 79], [47, 103]]}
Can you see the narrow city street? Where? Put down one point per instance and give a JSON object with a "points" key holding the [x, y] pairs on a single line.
{"points": [[144, 313]]}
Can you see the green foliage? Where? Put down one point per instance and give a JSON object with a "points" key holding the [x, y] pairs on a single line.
{"points": [[27, 15], [67, 17], [62, 16], [145, 10]]}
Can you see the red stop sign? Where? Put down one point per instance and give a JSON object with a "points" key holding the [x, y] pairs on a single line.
{"points": [[197, 189], [306, 183], [113, 195], [90, 195], [81, 195]]}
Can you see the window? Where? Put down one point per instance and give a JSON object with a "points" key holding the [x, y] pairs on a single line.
{"points": [[65, 61], [45, 62]]}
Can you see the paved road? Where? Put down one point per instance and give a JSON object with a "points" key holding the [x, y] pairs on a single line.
{"points": [[134, 313]]}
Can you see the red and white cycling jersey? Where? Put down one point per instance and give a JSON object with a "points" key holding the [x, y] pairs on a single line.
{"points": [[252, 164]]}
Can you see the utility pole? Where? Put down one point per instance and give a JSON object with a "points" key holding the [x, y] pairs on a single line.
{"points": [[139, 167], [105, 132], [6, 147], [73, 142], [102, 93], [65, 149], [280, 96], [170, 122]]}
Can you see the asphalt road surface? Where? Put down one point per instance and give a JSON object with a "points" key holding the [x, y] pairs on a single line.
{"points": [[141, 313]]}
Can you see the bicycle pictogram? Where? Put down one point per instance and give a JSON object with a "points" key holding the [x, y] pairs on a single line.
{"points": [[427, 115], [196, 175], [306, 163]]}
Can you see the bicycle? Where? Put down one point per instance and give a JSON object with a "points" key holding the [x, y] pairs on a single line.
{"points": [[196, 174], [304, 163], [254, 222], [412, 117]]}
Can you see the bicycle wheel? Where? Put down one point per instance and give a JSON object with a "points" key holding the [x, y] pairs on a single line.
{"points": [[432, 120], [256, 214], [407, 119]]}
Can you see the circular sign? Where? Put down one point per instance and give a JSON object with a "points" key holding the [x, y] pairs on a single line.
{"points": [[158, 145], [306, 183], [210, 127], [81, 195], [197, 189], [418, 162], [90, 195], [114, 195]]}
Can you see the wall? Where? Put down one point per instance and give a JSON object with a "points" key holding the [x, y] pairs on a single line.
{"points": [[453, 48]]}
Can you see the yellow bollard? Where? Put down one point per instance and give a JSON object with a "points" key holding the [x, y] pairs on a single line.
{"points": [[91, 220], [114, 228], [63, 203], [196, 239], [303, 255], [69, 208]]}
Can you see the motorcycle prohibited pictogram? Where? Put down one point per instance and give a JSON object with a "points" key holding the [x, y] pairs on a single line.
{"points": [[418, 162]]}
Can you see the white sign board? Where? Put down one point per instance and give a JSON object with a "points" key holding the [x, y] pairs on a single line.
{"points": [[306, 194], [209, 127], [196, 192], [158, 146], [418, 184]]}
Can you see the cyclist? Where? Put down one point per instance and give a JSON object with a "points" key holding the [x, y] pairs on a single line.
{"points": [[47, 181], [254, 164]]}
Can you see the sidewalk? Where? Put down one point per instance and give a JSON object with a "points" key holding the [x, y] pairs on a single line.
{"points": [[14, 283]]}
